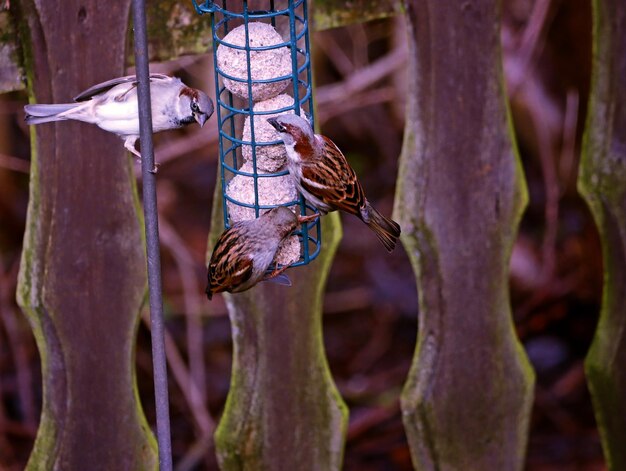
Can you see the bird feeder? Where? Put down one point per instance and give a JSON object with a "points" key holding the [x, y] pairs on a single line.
{"points": [[262, 69]]}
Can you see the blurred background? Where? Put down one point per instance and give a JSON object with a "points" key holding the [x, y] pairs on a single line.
{"points": [[370, 308]]}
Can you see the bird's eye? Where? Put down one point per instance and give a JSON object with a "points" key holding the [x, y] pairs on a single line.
{"points": [[195, 107]]}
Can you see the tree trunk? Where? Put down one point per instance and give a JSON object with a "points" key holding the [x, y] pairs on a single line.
{"points": [[82, 279], [460, 196], [603, 184]]}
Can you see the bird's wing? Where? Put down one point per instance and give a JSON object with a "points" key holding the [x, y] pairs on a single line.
{"points": [[224, 278], [332, 180], [228, 272], [109, 84]]}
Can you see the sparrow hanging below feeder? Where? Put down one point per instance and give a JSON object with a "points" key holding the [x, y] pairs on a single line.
{"points": [[244, 252]]}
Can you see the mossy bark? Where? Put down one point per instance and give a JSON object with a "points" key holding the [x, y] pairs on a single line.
{"points": [[175, 29], [82, 279], [460, 195], [332, 13], [283, 410], [603, 184], [10, 73]]}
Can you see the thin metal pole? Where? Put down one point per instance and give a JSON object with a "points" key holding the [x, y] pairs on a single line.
{"points": [[152, 238]]}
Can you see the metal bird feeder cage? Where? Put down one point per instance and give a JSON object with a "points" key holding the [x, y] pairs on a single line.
{"points": [[262, 69]]}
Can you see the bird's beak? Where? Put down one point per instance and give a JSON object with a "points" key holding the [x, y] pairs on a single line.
{"points": [[274, 122], [201, 118]]}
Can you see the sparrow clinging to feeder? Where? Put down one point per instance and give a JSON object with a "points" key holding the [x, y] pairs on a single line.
{"points": [[244, 252], [323, 175], [113, 106]]}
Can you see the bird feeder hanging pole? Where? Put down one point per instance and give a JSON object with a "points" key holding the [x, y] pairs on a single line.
{"points": [[152, 237]]}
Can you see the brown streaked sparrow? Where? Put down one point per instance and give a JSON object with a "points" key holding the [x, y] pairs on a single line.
{"points": [[244, 252], [113, 106], [325, 178]]}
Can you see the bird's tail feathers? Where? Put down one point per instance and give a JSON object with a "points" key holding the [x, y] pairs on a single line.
{"points": [[385, 229], [37, 114]]}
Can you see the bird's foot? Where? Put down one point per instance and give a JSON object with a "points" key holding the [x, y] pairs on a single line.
{"points": [[310, 218], [276, 272]]}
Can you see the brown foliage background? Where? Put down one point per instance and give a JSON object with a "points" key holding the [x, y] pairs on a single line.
{"points": [[370, 306]]}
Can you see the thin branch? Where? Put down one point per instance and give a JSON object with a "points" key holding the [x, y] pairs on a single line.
{"points": [[362, 78], [371, 419], [13, 163], [193, 304], [533, 40], [18, 343], [196, 452], [358, 35], [201, 415], [335, 53], [569, 165], [368, 98]]}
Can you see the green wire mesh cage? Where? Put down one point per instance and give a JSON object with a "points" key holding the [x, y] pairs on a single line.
{"points": [[262, 69]]}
